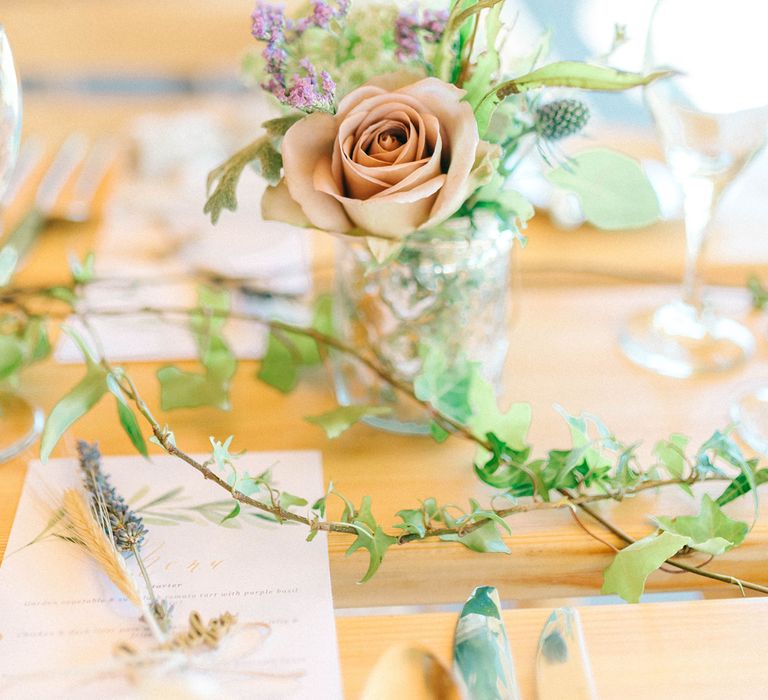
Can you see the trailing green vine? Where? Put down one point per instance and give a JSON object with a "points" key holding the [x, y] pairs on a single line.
{"points": [[595, 467]]}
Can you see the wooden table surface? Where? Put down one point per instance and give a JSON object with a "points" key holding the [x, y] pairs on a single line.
{"points": [[563, 351]]}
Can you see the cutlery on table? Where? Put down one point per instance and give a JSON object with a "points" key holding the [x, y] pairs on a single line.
{"points": [[562, 665], [481, 655], [413, 673], [74, 156]]}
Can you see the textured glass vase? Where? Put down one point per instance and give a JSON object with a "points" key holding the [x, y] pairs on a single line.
{"points": [[447, 287]]}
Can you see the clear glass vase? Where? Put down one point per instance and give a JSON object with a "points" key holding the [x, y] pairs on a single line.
{"points": [[446, 287]]}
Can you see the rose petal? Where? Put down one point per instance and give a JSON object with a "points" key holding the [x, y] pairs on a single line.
{"points": [[303, 146], [278, 205]]}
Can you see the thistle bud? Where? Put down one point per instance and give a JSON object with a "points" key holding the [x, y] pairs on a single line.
{"points": [[561, 118]]}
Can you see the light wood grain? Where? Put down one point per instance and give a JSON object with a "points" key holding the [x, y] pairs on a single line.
{"points": [[702, 650], [563, 351]]}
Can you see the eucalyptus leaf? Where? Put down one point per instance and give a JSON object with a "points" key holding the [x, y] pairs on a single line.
{"points": [[612, 188], [73, 406], [627, 574], [127, 417], [338, 420]]}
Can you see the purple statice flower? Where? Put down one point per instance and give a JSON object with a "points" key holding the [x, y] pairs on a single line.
{"points": [[267, 22], [409, 29], [303, 90]]}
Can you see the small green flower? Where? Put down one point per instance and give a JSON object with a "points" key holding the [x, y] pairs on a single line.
{"points": [[561, 118]]}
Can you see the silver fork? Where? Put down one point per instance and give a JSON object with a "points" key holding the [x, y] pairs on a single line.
{"points": [[74, 154]]}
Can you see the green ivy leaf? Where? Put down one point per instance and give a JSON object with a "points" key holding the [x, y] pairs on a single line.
{"points": [[9, 258], [613, 189], [413, 521], [288, 352], [370, 537], [182, 389], [631, 567], [511, 426], [287, 500], [445, 384], [671, 454], [711, 531], [338, 420], [483, 539], [232, 514], [127, 417]]}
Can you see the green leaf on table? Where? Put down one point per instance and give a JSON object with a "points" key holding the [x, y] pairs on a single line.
{"points": [[370, 537], [631, 567], [613, 189], [510, 426], [483, 539], [740, 486], [561, 74], [414, 521], [338, 420], [288, 352], [184, 389], [73, 406], [711, 531], [445, 385], [9, 258], [127, 417]]}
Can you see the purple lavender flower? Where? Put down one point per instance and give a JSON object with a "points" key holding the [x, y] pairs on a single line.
{"points": [[268, 22], [409, 29]]}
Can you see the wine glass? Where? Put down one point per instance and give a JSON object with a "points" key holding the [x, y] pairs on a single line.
{"points": [[712, 117], [20, 423]]}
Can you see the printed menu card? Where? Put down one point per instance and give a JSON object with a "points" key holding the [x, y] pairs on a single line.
{"points": [[65, 628]]}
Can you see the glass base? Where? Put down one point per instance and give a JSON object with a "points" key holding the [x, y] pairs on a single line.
{"points": [[678, 340], [750, 413], [21, 424]]}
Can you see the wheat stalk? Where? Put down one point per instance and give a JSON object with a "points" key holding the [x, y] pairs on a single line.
{"points": [[88, 531]]}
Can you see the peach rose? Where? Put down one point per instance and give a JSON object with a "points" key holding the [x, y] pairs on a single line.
{"points": [[398, 156]]}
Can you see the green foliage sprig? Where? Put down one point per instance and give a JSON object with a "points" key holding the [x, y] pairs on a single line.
{"points": [[596, 467]]}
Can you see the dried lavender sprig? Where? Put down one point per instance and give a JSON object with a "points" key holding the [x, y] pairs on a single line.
{"points": [[120, 523]]}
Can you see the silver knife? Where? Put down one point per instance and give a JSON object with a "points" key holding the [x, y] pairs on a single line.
{"points": [[562, 664], [481, 655]]}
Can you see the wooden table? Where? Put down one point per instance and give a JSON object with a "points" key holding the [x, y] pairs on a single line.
{"points": [[564, 351]]}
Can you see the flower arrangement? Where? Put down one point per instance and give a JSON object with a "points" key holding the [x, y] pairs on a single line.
{"points": [[397, 121]]}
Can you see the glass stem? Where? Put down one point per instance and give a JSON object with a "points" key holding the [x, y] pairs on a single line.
{"points": [[699, 194]]}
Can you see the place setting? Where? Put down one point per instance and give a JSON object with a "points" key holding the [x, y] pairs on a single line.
{"points": [[355, 349]]}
